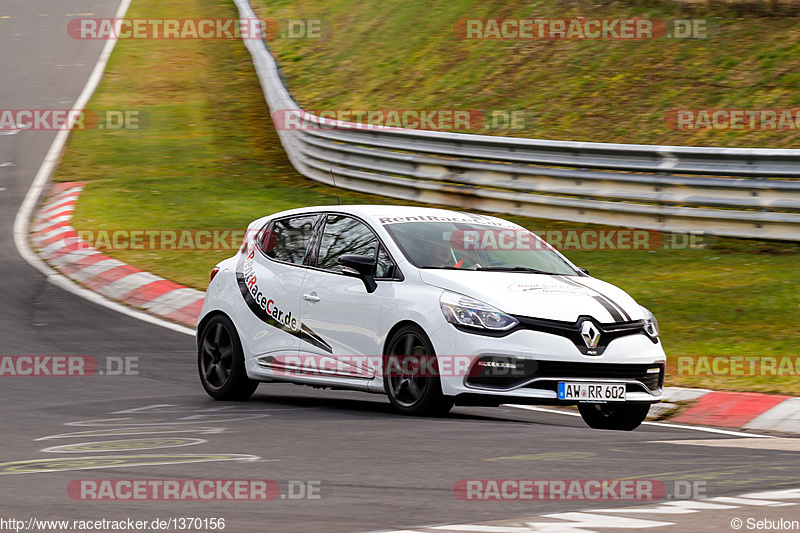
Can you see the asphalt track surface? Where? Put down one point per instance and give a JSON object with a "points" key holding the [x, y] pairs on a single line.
{"points": [[374, 470]]}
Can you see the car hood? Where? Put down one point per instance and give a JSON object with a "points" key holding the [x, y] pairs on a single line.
{"points": [[540, 295]]}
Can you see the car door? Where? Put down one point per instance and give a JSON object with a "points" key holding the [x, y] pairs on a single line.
{"points": [[338, 308], [270, 279]]}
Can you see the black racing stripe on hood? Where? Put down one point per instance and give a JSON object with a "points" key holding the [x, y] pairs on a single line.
{"points": [[617, 312], [610, 308]]}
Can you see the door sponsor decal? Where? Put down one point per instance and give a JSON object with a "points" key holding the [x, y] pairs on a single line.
{"points": [[267, 310]]}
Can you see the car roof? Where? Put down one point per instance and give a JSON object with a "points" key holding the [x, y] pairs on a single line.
{"points": [[381, 214]]}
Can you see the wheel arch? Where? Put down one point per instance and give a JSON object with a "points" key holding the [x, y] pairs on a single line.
{"points": [[202, 324], [396, 328]]}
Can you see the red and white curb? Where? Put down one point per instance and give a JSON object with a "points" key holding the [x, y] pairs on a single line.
{"points": [[744, 410], [58, 244]]}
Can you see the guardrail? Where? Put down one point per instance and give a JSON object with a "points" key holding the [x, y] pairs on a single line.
{"points": [[667, 188]]}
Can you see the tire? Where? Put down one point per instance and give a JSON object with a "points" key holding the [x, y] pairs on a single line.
{"points": [[416, 393], [220, 361], [619, 417]]}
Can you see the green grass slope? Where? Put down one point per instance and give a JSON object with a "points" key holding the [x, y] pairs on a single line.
{"points": [[399, 54]]}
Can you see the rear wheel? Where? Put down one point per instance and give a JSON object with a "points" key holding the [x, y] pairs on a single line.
{"points": [[220, 360], [411, 376], [616, 416]]}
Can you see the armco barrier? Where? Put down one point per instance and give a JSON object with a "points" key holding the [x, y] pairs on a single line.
{"points": [[667, 188]]}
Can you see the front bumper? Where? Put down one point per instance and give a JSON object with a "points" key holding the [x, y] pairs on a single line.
{"points": [[526, 366]]}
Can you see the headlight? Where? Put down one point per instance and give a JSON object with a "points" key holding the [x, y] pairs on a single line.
{"points": [[650, 323], [464, 311]]}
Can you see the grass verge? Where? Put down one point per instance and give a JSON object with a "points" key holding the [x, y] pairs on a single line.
{"points": [[395, 54], [210, 159]]}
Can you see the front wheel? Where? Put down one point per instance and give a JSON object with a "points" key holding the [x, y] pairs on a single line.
{"points": [[620, 416], [220, 360], [411, 376]]}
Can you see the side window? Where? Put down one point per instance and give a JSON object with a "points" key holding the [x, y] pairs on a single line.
{"points": [[384, 268], [344, 235], [287, 239], [266, 239]]}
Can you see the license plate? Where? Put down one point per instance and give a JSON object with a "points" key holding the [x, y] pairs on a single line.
{"points": [[592, 392]]}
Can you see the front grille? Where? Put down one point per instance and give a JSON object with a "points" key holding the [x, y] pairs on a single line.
{"points": [[554, 371], [572, 331]]}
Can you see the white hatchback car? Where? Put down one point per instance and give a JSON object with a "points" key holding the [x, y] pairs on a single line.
{"points": [[432, 308]]}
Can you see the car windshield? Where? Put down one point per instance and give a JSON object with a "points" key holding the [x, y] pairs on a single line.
{"points": [[474, 246]]}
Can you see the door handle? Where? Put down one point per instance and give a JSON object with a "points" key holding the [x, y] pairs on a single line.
{"points": [[311, 297]]}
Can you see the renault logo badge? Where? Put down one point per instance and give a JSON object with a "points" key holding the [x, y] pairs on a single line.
{"points": [[590, 334]]}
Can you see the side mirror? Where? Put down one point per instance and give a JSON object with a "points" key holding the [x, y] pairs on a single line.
{"points": [[583, 271], [360, 266]]}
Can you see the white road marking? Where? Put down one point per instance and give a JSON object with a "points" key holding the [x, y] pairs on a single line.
{"points": [[791, 494], [166, 408], [194, 419], [678, 507], [73, 447], [709, 430], [585, 520], [749, 501], [659, 424], [156, 460], [136, 430]]}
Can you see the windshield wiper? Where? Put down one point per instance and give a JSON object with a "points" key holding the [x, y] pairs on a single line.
{"points": [[515, 269]]}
